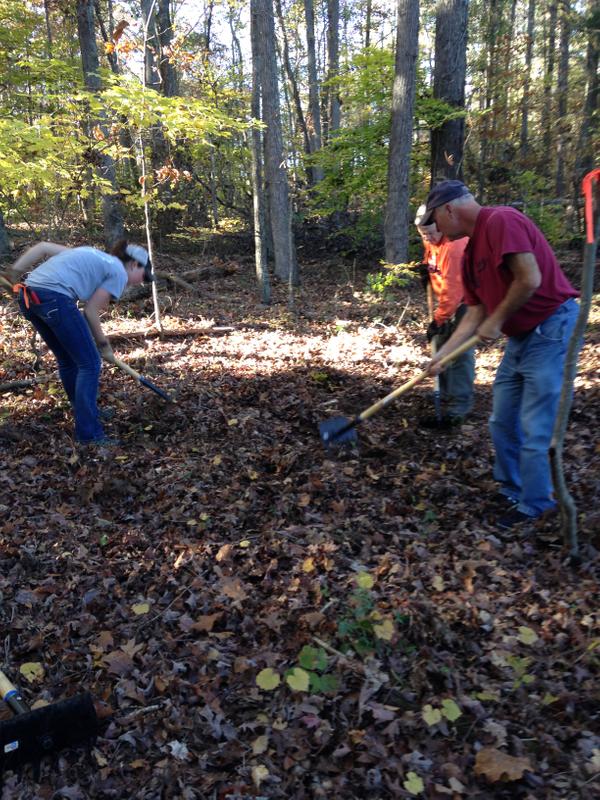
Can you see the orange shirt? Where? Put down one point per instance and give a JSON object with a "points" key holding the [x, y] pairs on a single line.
{"points": [[444, 261]]}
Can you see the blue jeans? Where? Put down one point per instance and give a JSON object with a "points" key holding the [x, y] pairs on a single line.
{"points": [[526, 394], [64, 329], [456, 381]]}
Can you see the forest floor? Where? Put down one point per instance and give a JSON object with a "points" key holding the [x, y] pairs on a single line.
{"points": [[257, 617]]}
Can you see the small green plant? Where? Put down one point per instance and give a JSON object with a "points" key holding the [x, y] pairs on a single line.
{"points": [[393, 276], [364, 628], [519, 666], [309, 675]]}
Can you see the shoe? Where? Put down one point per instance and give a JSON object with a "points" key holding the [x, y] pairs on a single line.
{"points": [[445, 423], [512, 518]]}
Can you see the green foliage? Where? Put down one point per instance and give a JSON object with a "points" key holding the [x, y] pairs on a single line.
{"points": [[362, 627], [355, 161], [392, 277]]}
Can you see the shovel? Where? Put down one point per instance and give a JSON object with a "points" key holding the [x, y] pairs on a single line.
{"points": [[339, 430], [31, 735], [140, 378]]}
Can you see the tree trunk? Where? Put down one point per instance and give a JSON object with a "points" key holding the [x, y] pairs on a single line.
{"points": [[48, 29], [111, 206], [333, 65], [368, 24], [256, 148], [562, 88], [549, 54], [166, 68], [314, 108], [588, 135], [524, 139], [293, 84], [450, 70], [403, 96], [275, 166], [4, 241]]}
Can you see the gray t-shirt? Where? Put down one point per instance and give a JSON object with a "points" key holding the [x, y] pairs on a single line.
{"points": [[78, 272]]}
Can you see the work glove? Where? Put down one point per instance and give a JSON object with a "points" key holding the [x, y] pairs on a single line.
{"points": [[439, 329], [106, 352], [433, 329], [424, 275]]}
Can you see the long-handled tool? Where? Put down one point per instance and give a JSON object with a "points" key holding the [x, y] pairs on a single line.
{"points": [[31, 735], [140, 378], [437, 398], [340, 429]]}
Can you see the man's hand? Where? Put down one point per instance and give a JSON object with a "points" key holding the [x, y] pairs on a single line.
{"points": [[433, 329], [106, 351], [489, 331]]}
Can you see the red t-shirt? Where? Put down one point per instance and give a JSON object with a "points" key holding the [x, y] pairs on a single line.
{"points": [[500, 231]]}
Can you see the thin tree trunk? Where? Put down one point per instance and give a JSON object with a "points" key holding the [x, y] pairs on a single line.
{"points": [[293, 82], [549, 54], [168, 73], [276, 172], [588, 134], [333, 64], [524, 139], [4, 241], [449, 75], [562, 88], [403, 96], [256, 149], [313, 88], [111, 207], [48, 29], [568, 509], [368, 24]]}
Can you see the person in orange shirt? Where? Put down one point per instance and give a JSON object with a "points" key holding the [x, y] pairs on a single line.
{"points": [[443, 259]]}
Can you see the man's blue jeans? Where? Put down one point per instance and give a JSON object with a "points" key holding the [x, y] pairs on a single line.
{"points": [[526, 395], [64, 329]]}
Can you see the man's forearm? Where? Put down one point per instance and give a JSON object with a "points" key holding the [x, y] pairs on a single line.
{"points": [[518, 294]]}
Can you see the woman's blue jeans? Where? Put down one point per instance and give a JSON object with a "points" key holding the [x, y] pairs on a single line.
{"points": [[526, 395], [64, 329]]}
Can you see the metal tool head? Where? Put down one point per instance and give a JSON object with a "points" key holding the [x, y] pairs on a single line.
{"points": [[27, 738], [160, 392], [337, 430]]}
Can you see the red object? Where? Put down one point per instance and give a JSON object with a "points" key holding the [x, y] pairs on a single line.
{"points": [[586, 188]]}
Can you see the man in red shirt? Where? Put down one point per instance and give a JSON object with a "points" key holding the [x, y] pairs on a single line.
{"points": [[513, 286], [444, 266]]}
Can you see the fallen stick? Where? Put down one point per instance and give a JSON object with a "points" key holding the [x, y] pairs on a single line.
{"points": [[153, 333], [14, 386]]}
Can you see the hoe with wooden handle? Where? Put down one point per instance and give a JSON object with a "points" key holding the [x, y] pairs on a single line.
{"points": [[338, 430]]}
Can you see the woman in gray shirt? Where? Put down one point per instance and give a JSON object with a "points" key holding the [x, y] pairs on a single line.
{"points": [[48, 299]]}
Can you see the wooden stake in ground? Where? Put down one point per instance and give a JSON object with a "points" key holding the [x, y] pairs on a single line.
{"points": [[568, 509]]}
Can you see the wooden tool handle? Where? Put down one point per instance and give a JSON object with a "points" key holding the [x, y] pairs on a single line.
{"points": [[126, 368], [471, 342], [11, 696]]}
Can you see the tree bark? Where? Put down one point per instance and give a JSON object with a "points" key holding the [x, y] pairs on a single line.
{"points": [[111, 206], [256, 149], [449, 75], [549, 56], [403, 97], [524, 138], [562, 88], [589, 119], [314, 107], [4, 241], [333, 65], [275, 166]]}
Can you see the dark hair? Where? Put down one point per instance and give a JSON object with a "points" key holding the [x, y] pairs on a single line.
{"points": [[118, 250]]}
